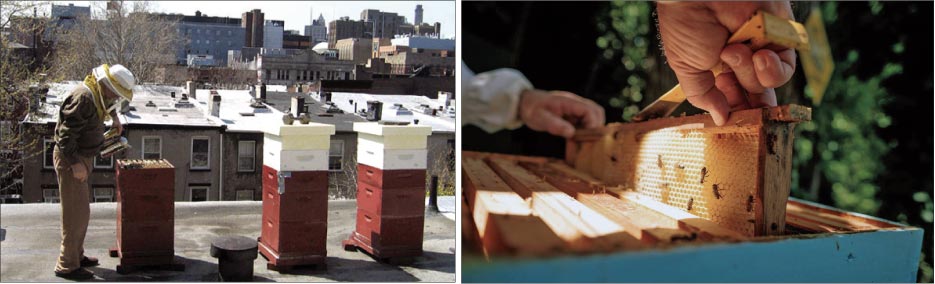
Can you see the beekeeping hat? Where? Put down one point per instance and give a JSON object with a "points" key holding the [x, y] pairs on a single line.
{"points": [[118, 79]]}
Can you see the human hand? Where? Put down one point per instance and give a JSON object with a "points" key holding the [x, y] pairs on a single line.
{"points": [[558, 112], [695, 35], [79, 171], [117, 125]]}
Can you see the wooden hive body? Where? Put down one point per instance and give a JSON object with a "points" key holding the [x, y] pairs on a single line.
{"points": [[737, 175], [592, 218]]}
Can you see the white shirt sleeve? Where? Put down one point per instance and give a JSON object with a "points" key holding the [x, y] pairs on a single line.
{"points": [[490, 100]]}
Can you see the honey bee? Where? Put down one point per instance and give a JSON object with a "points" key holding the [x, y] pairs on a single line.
{"points": [[717, 191], [690, 201], [749, 203], [704, 173]]}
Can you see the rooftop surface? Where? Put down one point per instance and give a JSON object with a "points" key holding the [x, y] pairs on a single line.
{"points": [[282, 101], [30, 235], [164, 109], [442, 123], [236, 112], [154, 105]]}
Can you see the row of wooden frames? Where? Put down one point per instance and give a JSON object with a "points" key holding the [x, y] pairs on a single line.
{"points": [[534, 206]]}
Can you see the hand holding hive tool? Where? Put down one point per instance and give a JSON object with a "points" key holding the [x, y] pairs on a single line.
{"points": [[762, 31], [113, 143]]}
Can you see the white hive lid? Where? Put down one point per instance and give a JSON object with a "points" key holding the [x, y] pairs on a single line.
{"points": [[375, 128], [297, 129]]}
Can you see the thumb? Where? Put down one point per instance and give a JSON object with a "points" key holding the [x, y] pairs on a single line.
{"points": [[714, 102], [699, 88]]}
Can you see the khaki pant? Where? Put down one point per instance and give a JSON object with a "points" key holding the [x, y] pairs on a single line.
{"points": [[76, 211]]}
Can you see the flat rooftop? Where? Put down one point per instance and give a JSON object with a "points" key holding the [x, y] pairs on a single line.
{"points": [[30, 236]]}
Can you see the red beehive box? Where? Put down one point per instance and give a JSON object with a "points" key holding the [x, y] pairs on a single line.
{"points": [[295, 195], [295, 223], [391, 161], [145, 214]]}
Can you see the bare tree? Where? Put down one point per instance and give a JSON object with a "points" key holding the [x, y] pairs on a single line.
{"points": [[21, 70], [443, 160], [125, 33], [345, 181], [33, 49]]}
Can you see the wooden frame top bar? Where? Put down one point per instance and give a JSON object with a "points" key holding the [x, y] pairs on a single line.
{"points": [[749, 117]]}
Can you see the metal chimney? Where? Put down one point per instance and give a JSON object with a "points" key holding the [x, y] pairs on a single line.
{"points": [[215, 107], [374, 110], [298, 106], [191, 87]]}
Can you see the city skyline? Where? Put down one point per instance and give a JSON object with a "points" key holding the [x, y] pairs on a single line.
{"points": [[297, 14]]}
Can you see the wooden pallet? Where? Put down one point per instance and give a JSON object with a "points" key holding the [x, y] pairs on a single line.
{"points": [[736, 175], [533, 206]]}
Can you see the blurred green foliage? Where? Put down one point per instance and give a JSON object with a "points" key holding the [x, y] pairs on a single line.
{"points": [[841, 140], [626, 38], [845, 156]]}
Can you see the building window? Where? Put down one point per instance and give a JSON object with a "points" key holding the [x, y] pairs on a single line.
{"points": [[336, 155], [228, 33], [218, 33], [197, 41], [246, 156], [152, 147], [200, 153], [103, 163], [48, 147], [103, 194], [198, 193], [245, 194], [50, 195]]}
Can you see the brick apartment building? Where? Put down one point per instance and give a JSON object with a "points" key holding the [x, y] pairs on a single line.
{"points": [[215, 145]]}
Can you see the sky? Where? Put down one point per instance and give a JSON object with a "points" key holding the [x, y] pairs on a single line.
{"points": [[296, 13]]}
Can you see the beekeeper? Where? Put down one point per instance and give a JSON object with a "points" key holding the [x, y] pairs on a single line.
{"points": [[79, 134]]}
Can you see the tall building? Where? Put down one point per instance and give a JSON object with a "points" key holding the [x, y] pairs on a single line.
{"points": [[418, 19], [385, 24], [292, 39], [357, 50], [423, 29], [252, 22], [202, 36], [346, 28], [65, 16], [409, 55], [272, 33], [318, 30]]}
